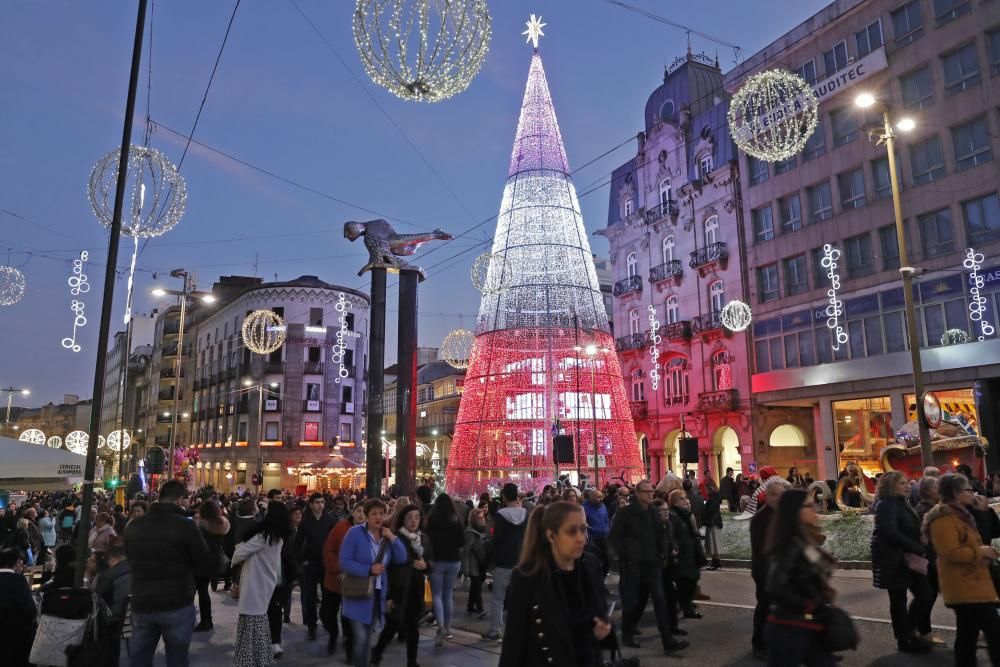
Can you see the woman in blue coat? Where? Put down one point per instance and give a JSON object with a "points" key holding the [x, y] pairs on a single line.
{"points": [[358, 555]]}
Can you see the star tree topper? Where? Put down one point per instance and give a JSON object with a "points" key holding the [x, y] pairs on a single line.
{"points": [[534, 30]]}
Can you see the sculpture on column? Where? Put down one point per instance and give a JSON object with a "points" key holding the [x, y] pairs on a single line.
{"points": [[385, 246]]}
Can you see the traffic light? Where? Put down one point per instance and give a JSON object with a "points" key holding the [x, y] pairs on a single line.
{"points": [[111, 484]]}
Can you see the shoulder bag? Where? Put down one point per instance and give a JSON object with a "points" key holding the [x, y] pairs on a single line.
{"points": [[354, 587], [839, 633]]}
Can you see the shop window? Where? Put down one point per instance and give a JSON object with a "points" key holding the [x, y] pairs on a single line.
{"points": [[862, 427], [787, 435], [958, 407], [311, 431]]}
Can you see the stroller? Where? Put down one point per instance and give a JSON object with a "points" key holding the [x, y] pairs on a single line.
{"points": [[71, 626]]}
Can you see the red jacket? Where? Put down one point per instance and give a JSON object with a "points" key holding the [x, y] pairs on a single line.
{"points": [[331, 554]]}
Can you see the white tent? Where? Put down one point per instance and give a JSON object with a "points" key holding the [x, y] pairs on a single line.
{"points": [[28, 467]]}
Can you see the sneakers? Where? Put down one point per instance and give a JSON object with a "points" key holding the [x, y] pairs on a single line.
{"points": [[277, 651], [203, 626], [934, 641], [492, 636], [448, 634]]}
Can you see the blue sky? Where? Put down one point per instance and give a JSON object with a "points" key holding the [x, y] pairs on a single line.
{"points": [[282, 101]]}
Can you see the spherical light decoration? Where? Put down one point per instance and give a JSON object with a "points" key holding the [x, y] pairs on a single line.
{"points": [[422, 50], [55, 442], [118, 440], [490, 274], [155, 196], [456, 348], [736, 315], [263, 331], [954, 337], [32, 435], [12, 285], [77, 441], [773, 114]]}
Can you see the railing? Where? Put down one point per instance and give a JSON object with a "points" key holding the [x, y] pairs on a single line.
{"points": [[671, 269], [707, 322], [169, 351], [627, 286], [313, 368], [662, 210], [167, 373], [713, 252], [724, 399], [638, 409], [630, 342], [677, 330], [161, 418], [165, 396], [171, 329]]}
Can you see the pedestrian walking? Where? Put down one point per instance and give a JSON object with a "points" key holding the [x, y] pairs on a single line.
{"points": [[474, 561], [331, 581], [508, 535], [114, 587], [598, 527], [239, 527], [711, 520], [214, 527], [447, 537], [279, 609], [690, 555], [313, 531], [47, 526], [928, 497], [760, 528]]}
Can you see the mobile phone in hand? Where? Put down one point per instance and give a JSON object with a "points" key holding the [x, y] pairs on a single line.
{"points": [[611, 609]]}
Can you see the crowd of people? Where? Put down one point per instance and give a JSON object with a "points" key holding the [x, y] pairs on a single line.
{"points": [[371, 570]]}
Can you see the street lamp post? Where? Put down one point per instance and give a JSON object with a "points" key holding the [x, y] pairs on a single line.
{"points": [[260, 423], [888, 137], [10, 398]]}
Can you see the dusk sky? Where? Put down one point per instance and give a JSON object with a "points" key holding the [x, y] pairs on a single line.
{"points": [[282, 101]]}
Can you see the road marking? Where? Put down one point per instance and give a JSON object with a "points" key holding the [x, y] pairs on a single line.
{"points": [[868, 619]]}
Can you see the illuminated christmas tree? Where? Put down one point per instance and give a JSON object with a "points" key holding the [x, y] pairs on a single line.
{"points": [[543, 349]]}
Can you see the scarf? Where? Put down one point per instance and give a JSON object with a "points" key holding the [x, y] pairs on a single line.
{"points": [[963, 513], [415, 542]]}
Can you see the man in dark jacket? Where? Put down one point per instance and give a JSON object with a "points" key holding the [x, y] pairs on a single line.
{"points": [[727, 489], [508, 535], [114, 587], [760, 526], [17, 610], [642, 541], [309, 540], [165, 551]]}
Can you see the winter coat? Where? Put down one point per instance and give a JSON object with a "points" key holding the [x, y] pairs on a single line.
{"points": [[727, 489], [598, 524], [711, 513], [114, 587], [508, 535], [897, 532], [331, 555], [215, 535], [963, 574], [260, 573], [687, 542], [447, 538], [100, 538], [239, 528], [626, 534], [474, 552], [760, 527], [48, 527], [697, 506], [356, 558], [311, 538], [796, 584]]}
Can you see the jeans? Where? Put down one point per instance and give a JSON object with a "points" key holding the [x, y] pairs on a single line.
{"points": [[176, 628], [362, 637], [443, 577], [969, 620], [312, 576], [501, 580], [790, 646], [638, 582], [905, 621]]}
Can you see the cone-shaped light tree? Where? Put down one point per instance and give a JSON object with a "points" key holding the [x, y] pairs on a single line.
{"points": [[543, 362]]}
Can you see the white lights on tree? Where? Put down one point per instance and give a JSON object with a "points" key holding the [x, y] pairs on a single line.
{"points": [[954, 337], [263, 331], [835, 307], [977, 303], [422, 50], [32, 435], [736, 315], [76, 442], [12, 285], [773, 114], [55, 442], [456, 348], [118, 440], [654, 347], [158, 192], [490, 274], [343, 333]]}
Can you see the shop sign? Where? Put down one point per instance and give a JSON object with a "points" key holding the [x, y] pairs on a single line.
{"points": [[990, 278], [853, 74]]}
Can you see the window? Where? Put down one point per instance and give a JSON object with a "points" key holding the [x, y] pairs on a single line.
{"points": [[315, 317], [673, 310], [808, 71], [314, 354], [349, 321], [927, 160], [717, 295], [784, 166], [819, 274], [722, 371], [712, 230], [869, 39], [936, 233], [241, 432], [815, 144], [311, 432], [767, 283], [665, 191], [949, 10], [763, 224], [961, 69], [982, 218], [852, 189], [993, 41], [638, 389], [845, 126], [835, 59], [675, 384], [890, 247], [705, 166], [907, 23], [632, 265], [271, 431], [796, 280], [790, 209], [758, 171], [918, 91], [820, 202], [633, 321], [627, 208], [859, 255], [668, 249], [346, 433], [312, 392], [880, 178], [972, 144]]}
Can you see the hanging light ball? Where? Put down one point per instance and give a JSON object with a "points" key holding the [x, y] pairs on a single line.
{"points": [[118, 440], [263, 331], [954, 337], [77, 441], [736, 315], [489, 274], [155, 196], [456, 348], [55, 442], [773, 115], [32, 435], [422, 50], [12, 285]]}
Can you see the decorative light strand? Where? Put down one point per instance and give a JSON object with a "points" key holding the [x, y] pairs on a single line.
{"points": [[736, 316], [32, 435], [78, 285], [77, 441], [79, 321], [835, 308], [422, 50], [489, 274], [773, 114], [118, 440], [654, 347], [55, 442], [456, 348], [344, 332], [263, 331], [12, 285], [977, 304]]}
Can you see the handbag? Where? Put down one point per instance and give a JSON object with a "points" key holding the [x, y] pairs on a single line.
{"points": [[916, 563], [839, 633], [223, 563], [354, 587], [63, 618]]}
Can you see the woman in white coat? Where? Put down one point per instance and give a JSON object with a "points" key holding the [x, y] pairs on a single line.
{"points": [[260, 555]]}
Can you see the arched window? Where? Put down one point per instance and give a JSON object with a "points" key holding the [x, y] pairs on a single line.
{"points": [[717, 295], [722, 371], [632, 264], [712, 230], [627, 208], [665, 191], [675, 382], [633, 321], [787, 435], [673, 309], [705, 165], [668, 249], [638, 389]]}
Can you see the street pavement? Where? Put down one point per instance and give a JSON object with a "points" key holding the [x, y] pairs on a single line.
{"points": [[721, 638]]}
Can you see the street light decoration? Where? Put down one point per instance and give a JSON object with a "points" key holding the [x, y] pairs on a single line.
{"points": [[158, 192], [456, 348], [736, 315], [55, 442], [118, 440], [954, 337], [77, 441], [490, 273], [12, 285], [422, 50], [263, 331], [32, 435], [773, 114]]}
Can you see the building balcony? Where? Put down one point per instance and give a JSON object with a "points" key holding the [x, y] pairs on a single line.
{"points": [[712, 254], [710, 401], [169, 351], [630, 285], [196, 385], [638, 409], [313, 368], [707, 322], [676, 330], [165, 396], [171, 328], [671, 270], [167, 373], [163, 418], [660, 211], [630, 342]]}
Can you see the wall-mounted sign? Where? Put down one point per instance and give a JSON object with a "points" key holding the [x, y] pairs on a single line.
{"points": [[835, 307], [851, 75], [312, 406], [977, 302], [271, 404]]}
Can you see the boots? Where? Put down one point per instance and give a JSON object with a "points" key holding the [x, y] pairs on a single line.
{"points": [[716, 564]]}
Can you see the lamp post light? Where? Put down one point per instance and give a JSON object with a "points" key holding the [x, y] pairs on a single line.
{"points": [[887, 135], [10, 398], [183, 295]]}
